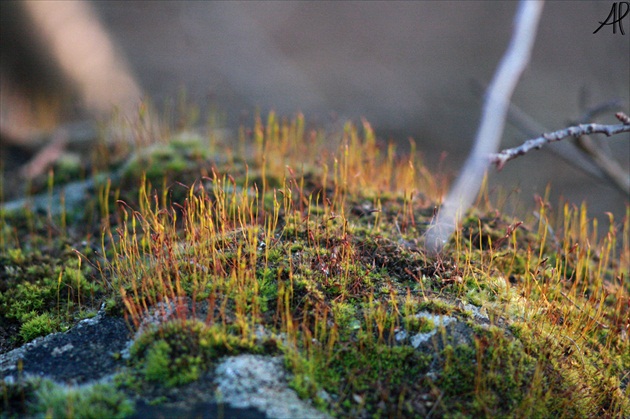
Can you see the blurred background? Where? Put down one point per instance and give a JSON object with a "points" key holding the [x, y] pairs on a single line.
{"points": [[408, 67]]}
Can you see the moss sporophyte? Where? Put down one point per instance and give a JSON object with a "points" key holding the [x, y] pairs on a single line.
{"points": [[306, 246]]}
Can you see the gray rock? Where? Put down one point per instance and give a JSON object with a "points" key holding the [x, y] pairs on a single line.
{"points": [[87, 352], [248, 381]]}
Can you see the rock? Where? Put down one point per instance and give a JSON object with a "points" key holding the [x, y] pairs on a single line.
{"points": [[88, 352], [247, 381]]}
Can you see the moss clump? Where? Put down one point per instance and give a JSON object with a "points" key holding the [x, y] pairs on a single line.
{"points": [[494, 377], [97, 401], [345, 318], [38, 325], [435, 306], [577, 382], [418, 324], [498, 376], [373, 378], [47, 399], [45, 291], [178, 352]]}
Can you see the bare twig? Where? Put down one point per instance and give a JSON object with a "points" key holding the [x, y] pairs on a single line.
{"points": [[488, 136], [623, 118], [499, 159], [581, 157], [598, 153], [584, 154]]}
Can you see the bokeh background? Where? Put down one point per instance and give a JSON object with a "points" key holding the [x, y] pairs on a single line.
{"points": [[407, 67]]}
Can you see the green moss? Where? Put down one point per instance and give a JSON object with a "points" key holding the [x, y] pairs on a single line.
{"points": [[16, 256], [157, 362], [268, 288], [171, 355], [438, 307], [29, 298], [46, 292], [35, 397], [458, 373], [178, 352], [97, 401], [578, 384], [418, 324], [345, 318], [364, 375], [495, 377], [342, 269], [38, 325]]}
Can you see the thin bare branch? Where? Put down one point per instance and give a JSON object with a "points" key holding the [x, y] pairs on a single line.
{"points": [[591, 158], [623, 118], [499, 159]]}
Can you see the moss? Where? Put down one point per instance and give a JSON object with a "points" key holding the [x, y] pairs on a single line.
{"points": [[458, 373], [268, 289], [580, 386], [418, 324], [345, 318], [367, 376], [16, 256], [38, 325], [46, 291], [438, 307], [494, 377], [97, 401], [36, 397], [341, 271], [171, 355], [160, 366], [178, 352]]}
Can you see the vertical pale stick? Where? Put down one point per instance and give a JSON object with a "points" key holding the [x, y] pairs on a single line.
{"points": [[491, 127]]}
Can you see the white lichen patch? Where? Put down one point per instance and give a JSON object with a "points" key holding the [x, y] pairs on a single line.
{"points": [[260, 382], [419, 338]]}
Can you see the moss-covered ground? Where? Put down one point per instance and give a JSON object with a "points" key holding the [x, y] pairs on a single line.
{"points": [[295, 242]]}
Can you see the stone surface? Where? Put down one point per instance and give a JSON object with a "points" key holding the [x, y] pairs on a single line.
{"points": [[259, 381], [88, 352]]}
